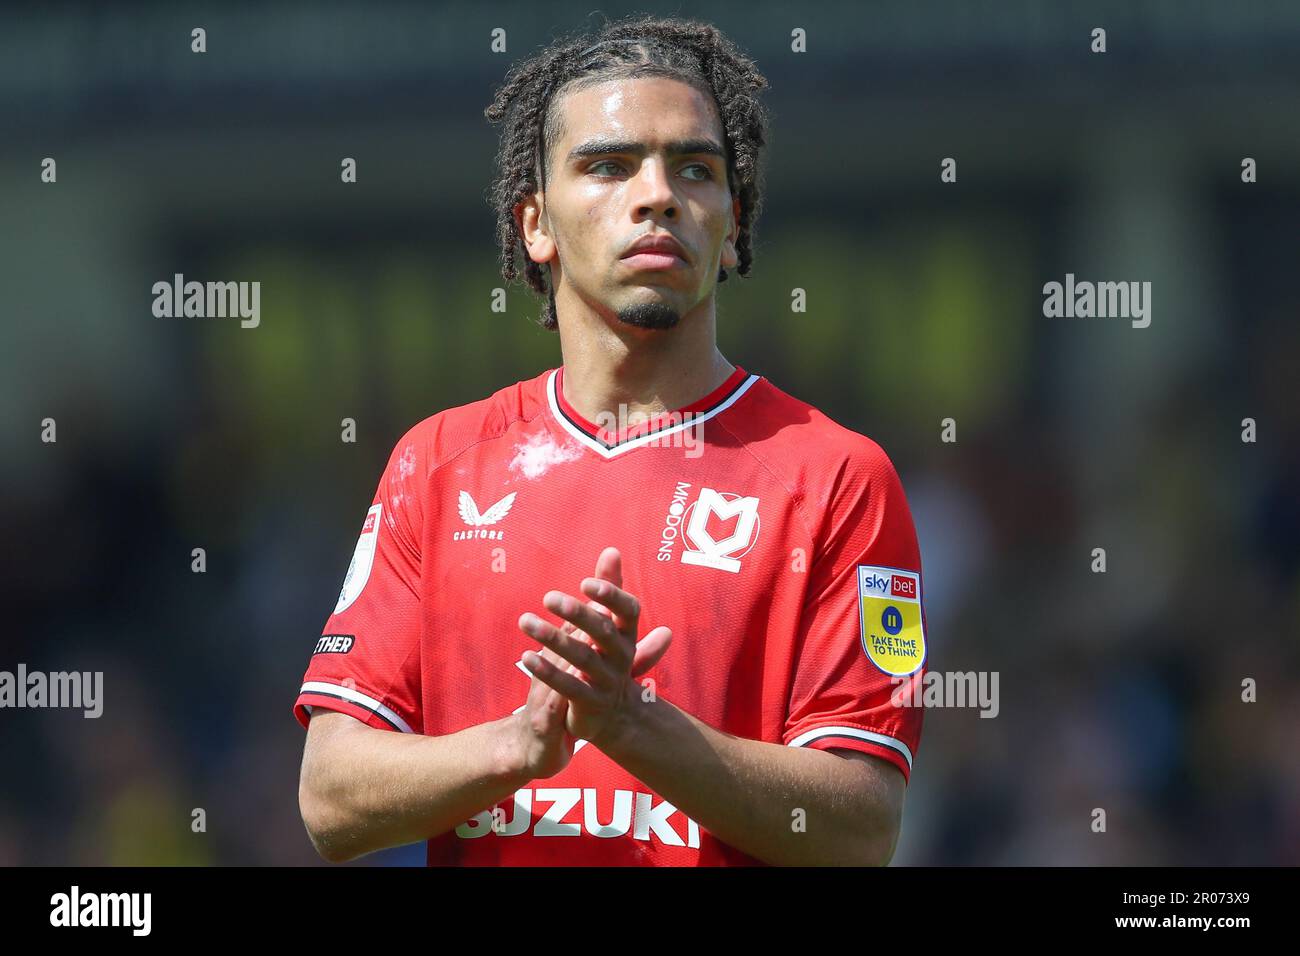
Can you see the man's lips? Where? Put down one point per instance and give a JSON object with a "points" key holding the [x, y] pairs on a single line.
{"points": [[658, 252], [653, 259], [662, 245]]}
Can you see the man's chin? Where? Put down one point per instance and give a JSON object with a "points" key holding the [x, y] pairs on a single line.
{"points": [[649, 315]]}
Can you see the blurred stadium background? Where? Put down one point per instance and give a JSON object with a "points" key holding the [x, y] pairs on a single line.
{"points": [[1119, 691]]}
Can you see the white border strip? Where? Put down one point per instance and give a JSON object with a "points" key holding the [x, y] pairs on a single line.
{"points": [[818, 732], [347, 693], [600, 449]]}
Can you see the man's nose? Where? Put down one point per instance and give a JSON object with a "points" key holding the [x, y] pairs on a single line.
{"points": [[653, 189]]}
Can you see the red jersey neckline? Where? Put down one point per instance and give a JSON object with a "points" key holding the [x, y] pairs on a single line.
{"points": [[700, 406]]}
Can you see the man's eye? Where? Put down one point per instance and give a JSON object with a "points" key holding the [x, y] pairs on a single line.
{"points": [[704, 171]]}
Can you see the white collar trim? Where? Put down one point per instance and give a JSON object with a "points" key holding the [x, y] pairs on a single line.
{"points": [[640, 440]]}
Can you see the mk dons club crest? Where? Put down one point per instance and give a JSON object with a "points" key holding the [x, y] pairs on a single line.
{"points": [[701, 548]]}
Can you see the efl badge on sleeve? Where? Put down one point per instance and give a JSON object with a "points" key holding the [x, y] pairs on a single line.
{"points": [[893, 631], [363, 559]]}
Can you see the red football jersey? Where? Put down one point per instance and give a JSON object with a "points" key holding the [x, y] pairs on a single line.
{"points": [[775, 543]]}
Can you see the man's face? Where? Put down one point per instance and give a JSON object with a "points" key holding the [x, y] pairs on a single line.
{"points": [[636, 158]]}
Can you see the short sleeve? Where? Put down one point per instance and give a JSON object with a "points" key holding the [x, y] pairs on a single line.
{"points": [[366, 663], [861, 636]]}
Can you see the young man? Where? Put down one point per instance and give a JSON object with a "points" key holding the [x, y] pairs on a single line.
{"points": [[644, 608]]}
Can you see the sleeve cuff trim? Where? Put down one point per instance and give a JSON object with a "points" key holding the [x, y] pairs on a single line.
{"points": [[870, 736], [338, 691]]}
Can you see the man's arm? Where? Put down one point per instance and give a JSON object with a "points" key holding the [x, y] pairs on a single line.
{"points": [[746, 792], [362, 789]]}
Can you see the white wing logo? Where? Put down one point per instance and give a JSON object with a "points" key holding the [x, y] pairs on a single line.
{"points": [[469, 512]]}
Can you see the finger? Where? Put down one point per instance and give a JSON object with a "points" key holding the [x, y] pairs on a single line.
{"points": [[542, 702], [556, 705], [559, 661], [567, 684], [625, 607], [570, 649], [610, 566], [650, 649], [600, 627], [538, 693]]}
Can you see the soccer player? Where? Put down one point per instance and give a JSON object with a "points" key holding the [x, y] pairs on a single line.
{"points": [[645, 607]]}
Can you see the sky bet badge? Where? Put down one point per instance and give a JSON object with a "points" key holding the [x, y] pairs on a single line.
{"points": [[893, 632]]}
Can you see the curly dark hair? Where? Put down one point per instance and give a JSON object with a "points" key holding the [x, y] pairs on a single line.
{"points": [[696, 53]]}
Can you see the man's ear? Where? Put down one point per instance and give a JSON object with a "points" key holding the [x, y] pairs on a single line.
{"points": [[535, 227], [729, 255]]}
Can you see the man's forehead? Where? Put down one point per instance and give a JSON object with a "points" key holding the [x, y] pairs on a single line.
{"points": [[654, 111]]}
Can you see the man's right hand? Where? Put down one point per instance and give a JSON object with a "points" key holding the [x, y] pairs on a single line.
{"points": [[542, 745]]}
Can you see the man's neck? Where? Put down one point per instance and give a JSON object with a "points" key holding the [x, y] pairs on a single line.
{"points": [[648, 371]]}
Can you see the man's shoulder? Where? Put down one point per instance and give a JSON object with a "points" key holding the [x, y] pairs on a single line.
{"points": [[787, 426], [831, 469]]}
